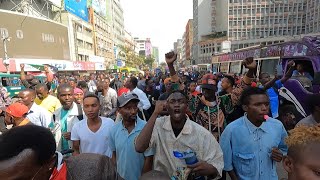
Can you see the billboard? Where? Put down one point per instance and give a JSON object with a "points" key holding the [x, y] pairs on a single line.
{"points": [[78, 8], [33, 38], [99, 6]]}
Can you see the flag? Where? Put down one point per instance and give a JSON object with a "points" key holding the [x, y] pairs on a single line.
{"points": [[52, 69], [37, 66]]}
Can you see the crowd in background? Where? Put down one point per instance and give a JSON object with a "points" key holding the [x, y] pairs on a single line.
{"points": [[178, 125]]}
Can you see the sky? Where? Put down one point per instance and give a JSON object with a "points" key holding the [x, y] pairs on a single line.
{"points": [[163, 21]]}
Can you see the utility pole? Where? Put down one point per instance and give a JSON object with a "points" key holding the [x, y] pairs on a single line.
{"points": [[6, 58]]}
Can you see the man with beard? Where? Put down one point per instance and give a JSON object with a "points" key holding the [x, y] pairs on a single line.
{"points": [[65, 117], [177, 132], [91, 135], [253, 143], [45, 100], [36, 114], [130, 164]]}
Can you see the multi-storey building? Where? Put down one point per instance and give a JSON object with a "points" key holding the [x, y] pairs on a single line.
{"points": [[189, 40], [155, 54], [183, 49], [144, 46], [252, 22], [103, 38], [80, 37], [117, 23], [129, 41], [178, 49]]}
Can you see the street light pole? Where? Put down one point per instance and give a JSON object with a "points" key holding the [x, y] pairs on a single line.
{"points": [[6, 58]]}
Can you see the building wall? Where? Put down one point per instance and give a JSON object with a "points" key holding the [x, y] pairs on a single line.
{"points": [[118, 22], [80, 37], [104, 39], [155, 54], [189, 39]]}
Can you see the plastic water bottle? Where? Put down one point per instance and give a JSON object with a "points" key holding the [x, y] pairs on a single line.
{"points": [[190, 158]]}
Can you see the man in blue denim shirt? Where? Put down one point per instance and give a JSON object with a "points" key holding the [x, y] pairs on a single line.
{"points": [[253, 144]]}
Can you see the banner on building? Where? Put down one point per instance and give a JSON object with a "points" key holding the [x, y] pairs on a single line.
{"points": [[78, 8], [32, 37]]}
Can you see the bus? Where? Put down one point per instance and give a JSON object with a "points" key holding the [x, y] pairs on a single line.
{"points": [[293, 95]]}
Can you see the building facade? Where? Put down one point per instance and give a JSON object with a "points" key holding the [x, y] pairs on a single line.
{"points": [[80, 37], [103, 38], [117, 23], [247, 23], [189, 40], [155, 54], [144, 46]]}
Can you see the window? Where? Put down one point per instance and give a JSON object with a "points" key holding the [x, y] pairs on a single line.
{"points": [[224, 67], [268, 66], [235, 67]]}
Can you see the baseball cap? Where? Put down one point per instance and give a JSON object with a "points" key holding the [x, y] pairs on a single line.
{"points": [[208, 81], [17, 110], [125, 98]]}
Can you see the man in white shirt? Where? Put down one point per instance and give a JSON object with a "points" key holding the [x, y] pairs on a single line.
{"points": [[144, 103], [64, 118], [108, 99], [36, 114], [92, 85], [91, 135]]}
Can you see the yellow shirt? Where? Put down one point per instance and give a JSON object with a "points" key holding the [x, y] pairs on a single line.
{"points": [[50, 103]]}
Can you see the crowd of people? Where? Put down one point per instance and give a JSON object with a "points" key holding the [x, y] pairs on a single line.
{"points": [[180, 125]]}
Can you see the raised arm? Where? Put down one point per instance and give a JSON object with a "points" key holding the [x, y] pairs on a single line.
{"points": [[47, 72], [288, 75], [143, 140], [170, 58], [22, 73]]}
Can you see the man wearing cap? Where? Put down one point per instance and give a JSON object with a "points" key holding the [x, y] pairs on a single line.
{"points": [[130, 164], [204, 107], [144, 103], [16, 115]]}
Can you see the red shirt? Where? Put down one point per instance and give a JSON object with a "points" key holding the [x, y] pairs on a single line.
{"points": [[122, 90], [195, 93]]}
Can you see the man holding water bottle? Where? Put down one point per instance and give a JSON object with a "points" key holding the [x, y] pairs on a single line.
{"points": [[176, 133]]}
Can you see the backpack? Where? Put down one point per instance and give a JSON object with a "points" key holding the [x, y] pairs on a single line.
{"points": [[80, 113]]}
